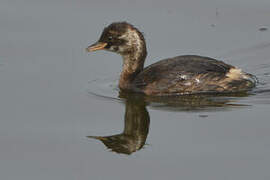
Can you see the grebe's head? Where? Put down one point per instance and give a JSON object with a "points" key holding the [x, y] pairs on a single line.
{"points": [[120, 37]]}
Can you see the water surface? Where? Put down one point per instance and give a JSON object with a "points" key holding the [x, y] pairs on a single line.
{"points": [[54, 95]]}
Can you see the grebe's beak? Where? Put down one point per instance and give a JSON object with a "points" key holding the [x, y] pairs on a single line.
{"points": [[96, 46], [97, 137]]}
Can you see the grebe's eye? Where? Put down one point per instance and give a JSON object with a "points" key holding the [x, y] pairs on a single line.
{"points": [[110, 38]]}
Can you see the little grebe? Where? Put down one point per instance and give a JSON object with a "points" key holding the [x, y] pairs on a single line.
{"points": [[187, 74]]}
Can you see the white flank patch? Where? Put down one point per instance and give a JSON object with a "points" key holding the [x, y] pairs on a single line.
{"points": [[235, 73], [197, 80], [183, 77], [187, 84]]}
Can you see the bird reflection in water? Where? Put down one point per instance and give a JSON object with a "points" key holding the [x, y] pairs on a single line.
{"points": [[137, 119], [135, 132]]}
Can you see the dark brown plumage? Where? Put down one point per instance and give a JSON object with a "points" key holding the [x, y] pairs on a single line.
{"points": [[188, 74]]}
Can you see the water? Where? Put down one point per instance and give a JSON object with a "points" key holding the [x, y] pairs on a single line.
{"points": [[54, 95]]}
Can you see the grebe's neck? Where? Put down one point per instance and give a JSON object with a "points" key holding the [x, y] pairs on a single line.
{"points": [[133, 60], [131, 67]]}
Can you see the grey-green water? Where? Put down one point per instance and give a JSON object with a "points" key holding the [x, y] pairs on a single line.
{"points": [[53, 94]]}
